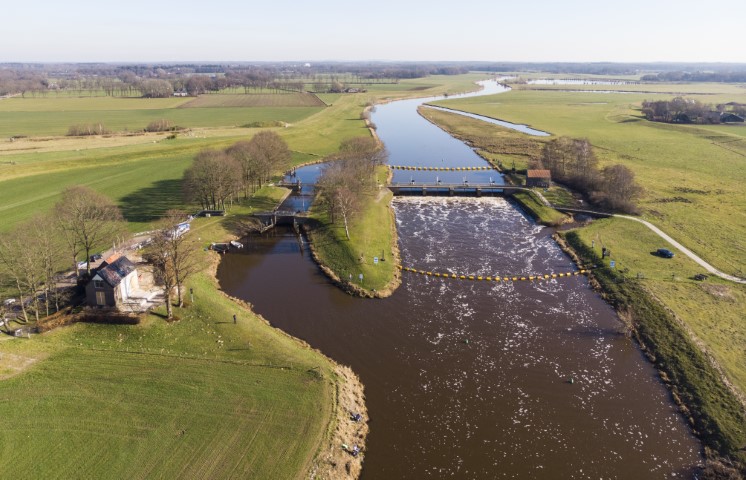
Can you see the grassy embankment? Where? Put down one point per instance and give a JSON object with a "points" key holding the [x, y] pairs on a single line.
{"points": [[216, 414], [714, 411], [693, 178]]}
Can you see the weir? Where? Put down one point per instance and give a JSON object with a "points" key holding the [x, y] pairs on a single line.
{"points": [[454, 189]]}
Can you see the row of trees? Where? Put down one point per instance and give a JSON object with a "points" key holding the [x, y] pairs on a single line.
{"points": [[572, 162], [686, 110], [349, 178], [33, 252], [218, 176]]}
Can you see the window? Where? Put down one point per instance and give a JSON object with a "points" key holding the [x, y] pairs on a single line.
{"points": [[98, 284]]}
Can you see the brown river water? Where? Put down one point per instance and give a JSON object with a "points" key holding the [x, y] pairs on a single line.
{"points": [[472, 379]]}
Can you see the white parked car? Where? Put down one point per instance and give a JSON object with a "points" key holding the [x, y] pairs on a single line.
{"points": [[9, 302]]}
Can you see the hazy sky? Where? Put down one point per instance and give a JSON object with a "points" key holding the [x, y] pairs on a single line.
{"points": [[517, 30]]}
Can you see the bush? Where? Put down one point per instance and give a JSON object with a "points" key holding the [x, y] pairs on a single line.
{"points": [[161, 125], [86, 129], [264, 124]]}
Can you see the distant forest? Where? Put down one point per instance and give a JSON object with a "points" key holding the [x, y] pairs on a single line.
{"points": [[720, 77], [162, 80], [194, 79]]}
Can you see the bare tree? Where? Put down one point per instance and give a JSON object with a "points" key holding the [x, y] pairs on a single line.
{"points": [[89, 217], [348, 205], [158, 255], [47, 247], [19, 262], [172, 253], [271, 154], [242, 152], [213, 178], [621, 190], [182, 250]]}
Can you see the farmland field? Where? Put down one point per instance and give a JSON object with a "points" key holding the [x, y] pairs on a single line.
{"points": [[256, 100], [691, 182], [54, 116]]}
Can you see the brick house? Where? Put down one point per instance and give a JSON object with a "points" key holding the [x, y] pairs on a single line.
{"points": [[538, 178]]}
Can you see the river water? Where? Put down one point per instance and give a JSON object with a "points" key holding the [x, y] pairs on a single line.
{"points": [[472, 379]]}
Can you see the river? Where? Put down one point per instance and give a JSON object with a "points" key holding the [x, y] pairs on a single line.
{"points": [[475, 379]]}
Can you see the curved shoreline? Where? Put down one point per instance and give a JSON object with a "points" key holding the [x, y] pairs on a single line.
{"points": [[329, 460]]}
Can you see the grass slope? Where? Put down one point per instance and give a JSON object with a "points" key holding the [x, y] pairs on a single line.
{"points": [[716, 413]]}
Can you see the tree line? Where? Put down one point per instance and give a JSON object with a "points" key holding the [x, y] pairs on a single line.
{"points": [[217, 177], [348, 178], [572, 162], [699, 76], [32, 253], [687, 110]]}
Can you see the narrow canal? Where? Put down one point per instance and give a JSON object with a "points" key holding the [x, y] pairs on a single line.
{"points": [[472, 379]]}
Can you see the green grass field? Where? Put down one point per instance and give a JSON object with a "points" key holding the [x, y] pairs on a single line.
{"points": [[255, 100], [196, 398]]}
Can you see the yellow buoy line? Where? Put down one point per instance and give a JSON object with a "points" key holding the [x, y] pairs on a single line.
{"points": [[496, 278], [439, 169]]}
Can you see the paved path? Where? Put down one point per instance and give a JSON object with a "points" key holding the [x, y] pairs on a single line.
{"points": [[685, 250]]}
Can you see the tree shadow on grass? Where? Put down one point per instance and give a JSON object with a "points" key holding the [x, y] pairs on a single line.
{"points": [[152, 202]]}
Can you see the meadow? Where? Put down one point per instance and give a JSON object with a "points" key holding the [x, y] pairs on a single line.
{"points": [[256, 100], [196, 398]]}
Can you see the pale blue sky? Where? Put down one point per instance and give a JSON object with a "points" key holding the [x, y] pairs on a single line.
{"points": [[519, 30]]}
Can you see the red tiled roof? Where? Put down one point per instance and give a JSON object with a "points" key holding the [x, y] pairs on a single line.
{"points": [[539, 174]]}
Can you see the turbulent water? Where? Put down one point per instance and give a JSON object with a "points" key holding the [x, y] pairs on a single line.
{"points": [[472, 379]]}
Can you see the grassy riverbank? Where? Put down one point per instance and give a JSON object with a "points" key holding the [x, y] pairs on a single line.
{"points": [[693, 176], [372, 234], [716, 414], [540, 212], [503, 148]]}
